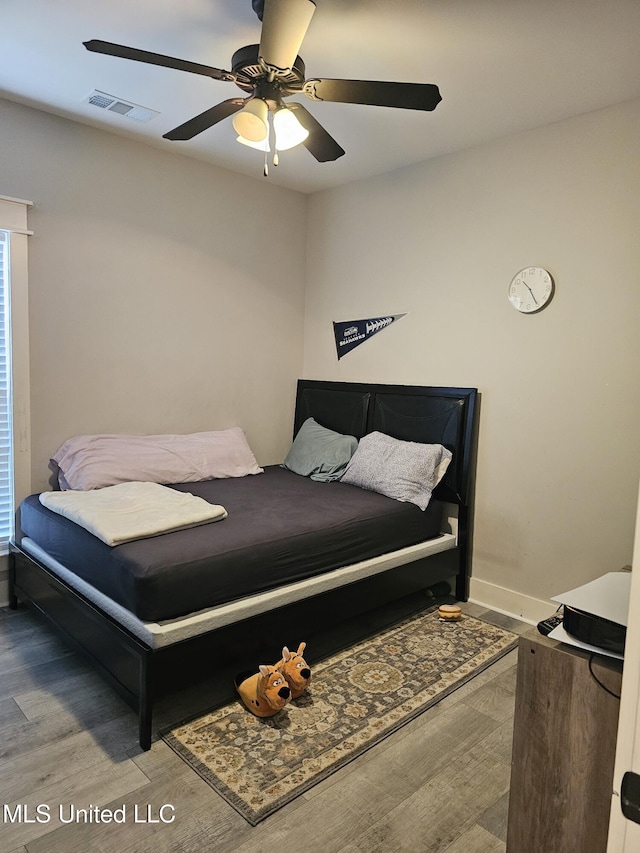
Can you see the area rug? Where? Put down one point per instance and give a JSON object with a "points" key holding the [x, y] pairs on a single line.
{"points": [[355, 699]]}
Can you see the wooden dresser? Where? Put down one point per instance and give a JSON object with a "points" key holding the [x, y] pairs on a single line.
{"points": [[564, 746]]}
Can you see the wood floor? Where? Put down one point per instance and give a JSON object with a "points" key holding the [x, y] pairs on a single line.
{"points": [[67, 741]]}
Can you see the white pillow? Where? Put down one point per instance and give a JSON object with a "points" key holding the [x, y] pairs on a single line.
{"points": [[94, 461], [405, 470]]}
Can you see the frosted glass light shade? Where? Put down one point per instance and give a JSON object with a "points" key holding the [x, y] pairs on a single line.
{"points": [[261, 146], [252, 121], [289, 131]]}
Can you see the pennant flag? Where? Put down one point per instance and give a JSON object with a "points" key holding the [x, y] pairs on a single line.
{"points": [[351, 333]]}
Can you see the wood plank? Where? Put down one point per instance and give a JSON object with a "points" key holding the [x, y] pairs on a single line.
{"points": [[98, 785], [496, 698], [504, 664], [23, 737], [62, 758], [498, 743], [476, 840], [78, 696], [198, 813], [44, 674], [509, 623], [21, 625], [159, 762], [6, 614], [9, 713], [19, 652], [434, 816], [26, 641], [495, 818]]}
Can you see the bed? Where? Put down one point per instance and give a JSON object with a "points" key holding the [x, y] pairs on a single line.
{"points": [[143, 610]]}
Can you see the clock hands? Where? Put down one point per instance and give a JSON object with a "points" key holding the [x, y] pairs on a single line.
{"points": [[530, 291]]}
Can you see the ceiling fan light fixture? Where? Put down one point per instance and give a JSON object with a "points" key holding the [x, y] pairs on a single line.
{"points": [[252, 122], [289, 132], [268, 73]]}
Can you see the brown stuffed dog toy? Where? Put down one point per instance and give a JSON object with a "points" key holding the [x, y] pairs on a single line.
{"points": [[265, 692], [295, 669]]}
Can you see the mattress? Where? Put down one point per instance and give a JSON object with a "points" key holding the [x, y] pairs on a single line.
{"points": [[281, 528]]}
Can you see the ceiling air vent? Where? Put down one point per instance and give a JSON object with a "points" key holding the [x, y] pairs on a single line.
{"points": [[116, 105]]}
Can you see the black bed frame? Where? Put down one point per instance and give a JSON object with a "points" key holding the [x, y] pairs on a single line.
{"points": [[142, 674]]}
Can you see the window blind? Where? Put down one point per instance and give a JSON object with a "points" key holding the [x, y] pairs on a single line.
{"points": [[6, 431]]}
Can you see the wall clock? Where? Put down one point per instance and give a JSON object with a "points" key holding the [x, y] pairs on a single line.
{"points": [[531, 290]]}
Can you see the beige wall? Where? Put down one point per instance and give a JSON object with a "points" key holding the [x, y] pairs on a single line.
{"points": [[559, 455], [155, 304], [156, 307]]}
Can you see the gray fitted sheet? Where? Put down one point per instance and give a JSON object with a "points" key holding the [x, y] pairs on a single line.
{"points": [[281, 528]]}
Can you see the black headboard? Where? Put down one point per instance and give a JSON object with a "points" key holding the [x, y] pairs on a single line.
{"points": [[425, 414]]}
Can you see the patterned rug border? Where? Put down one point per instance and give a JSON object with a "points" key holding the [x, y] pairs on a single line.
{"points": [[508, 641]]}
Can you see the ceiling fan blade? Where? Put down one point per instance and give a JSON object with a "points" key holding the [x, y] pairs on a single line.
{"points": [[284, 26], [120, 50], [407, 96], [319, 142], [206, 119]]}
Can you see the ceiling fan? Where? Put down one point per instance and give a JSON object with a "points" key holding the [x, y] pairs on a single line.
{"points": [[272, 71]]}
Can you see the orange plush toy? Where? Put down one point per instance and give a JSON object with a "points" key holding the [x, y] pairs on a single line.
{"points": [[265, 692], [295, 669]]}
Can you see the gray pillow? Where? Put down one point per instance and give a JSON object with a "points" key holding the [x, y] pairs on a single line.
{"points": [[320, 453], [405, 470]]}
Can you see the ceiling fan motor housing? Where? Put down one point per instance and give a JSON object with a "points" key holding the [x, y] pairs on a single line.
{"points": [[249, 73]]}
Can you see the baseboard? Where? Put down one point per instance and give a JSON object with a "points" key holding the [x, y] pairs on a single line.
{"points": [[510, 602]]}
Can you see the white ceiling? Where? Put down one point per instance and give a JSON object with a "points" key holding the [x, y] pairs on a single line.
{"points": [[502, 66]]}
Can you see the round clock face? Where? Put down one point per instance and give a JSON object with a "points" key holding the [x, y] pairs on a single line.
{"points": [[531, 290]]}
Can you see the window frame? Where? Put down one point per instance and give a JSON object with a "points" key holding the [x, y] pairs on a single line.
{"points": [[13, 219]]}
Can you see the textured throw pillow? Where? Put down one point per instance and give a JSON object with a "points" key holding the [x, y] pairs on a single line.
{"points": [[94, 461], [320, 453], [404, 470]]}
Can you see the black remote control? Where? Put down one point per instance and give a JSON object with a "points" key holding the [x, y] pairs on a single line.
{"points": [[547, 625]]}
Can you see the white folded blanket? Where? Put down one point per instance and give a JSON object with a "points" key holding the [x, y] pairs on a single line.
{"points": [[135, 510]]}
